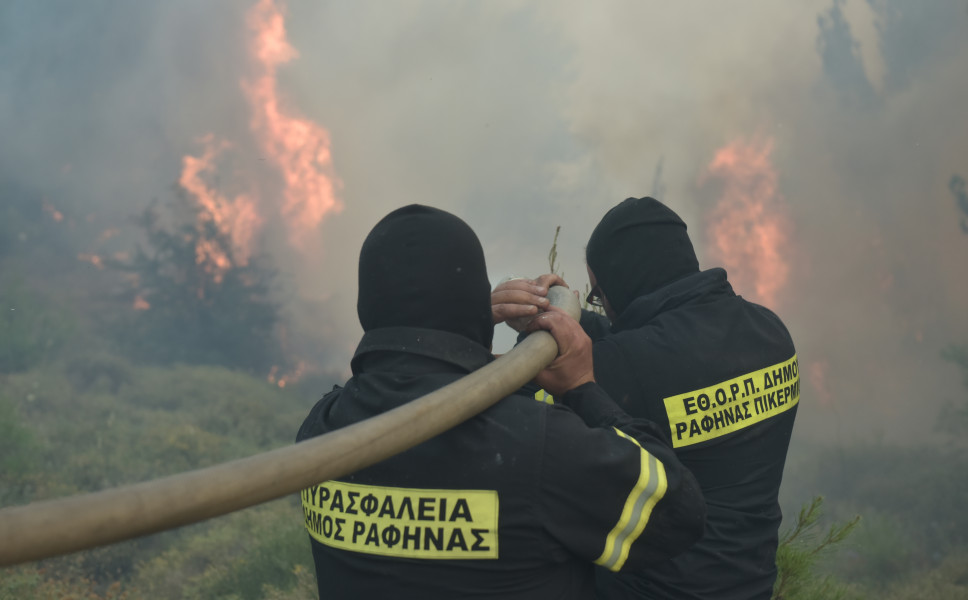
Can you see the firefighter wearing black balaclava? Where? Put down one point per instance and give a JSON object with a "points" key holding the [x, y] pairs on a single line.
{"points": [[520, 501], [718, 373]]}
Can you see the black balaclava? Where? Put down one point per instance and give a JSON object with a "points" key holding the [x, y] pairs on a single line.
{"points": [[639, 246], [423, 267]]}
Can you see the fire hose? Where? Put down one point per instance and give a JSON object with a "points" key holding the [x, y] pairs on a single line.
{"points": [[59, 526]]}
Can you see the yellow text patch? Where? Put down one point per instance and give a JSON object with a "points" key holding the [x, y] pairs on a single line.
{"points": [[706, 414], [412, 523]]}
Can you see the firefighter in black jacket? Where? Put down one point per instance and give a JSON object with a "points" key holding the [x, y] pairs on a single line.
{"points": [[718, 373], [518, 502]]}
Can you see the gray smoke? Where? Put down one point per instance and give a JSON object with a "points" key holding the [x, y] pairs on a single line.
{"points": [[523, 116]]}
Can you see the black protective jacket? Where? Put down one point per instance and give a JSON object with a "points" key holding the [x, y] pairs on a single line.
{"points": [[720, 375], [517, 502]]}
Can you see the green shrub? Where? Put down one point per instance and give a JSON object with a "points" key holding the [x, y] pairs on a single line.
{"points": [[921, 486], [101, 422], [18, 454], [798, 553], [947, 581], [30, 330], [86, 424], [199, 312], [232, 557], [246, 409], [305, 587], [98, 370], [31, 582], [17, 444]]}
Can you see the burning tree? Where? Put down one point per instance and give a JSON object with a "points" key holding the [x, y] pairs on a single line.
{"points": [[193, 301], [199, 295]]}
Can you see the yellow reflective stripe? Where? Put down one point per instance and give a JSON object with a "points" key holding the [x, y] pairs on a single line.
{"points": [[648, 490], [543, 396]]}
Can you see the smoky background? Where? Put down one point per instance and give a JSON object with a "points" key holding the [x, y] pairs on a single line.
{"points": [[813, 149]]}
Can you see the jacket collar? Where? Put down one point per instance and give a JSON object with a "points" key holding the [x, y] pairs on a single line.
{"points": [[704, 286], [444, 346]]}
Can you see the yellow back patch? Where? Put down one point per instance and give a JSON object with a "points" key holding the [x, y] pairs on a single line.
{"points": [[404, 522], [707, 413]]}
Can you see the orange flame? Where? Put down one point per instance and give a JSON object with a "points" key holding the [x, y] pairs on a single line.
{"points": [[140, 303], [298, 147], [291, 377], [817, 372], [748, 227], [55, 214], [237, 218], [94, 259], [213, 259]]}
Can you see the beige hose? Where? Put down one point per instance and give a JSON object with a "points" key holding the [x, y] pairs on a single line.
{"points": [[52, 527]]}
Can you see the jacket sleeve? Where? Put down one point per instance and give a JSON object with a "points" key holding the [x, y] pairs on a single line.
{"points": [[619, 378], [611, 490]]}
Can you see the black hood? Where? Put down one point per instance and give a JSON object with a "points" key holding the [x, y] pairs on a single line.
{"points": [[423, 267], [639, 246]]}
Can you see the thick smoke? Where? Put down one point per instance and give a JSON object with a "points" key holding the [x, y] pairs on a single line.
{"points": [[523, 116], [865, 144], [100, 101]]}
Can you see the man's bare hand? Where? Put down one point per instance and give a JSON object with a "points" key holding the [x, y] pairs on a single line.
{"points": [[516, 301], [574, 365]]}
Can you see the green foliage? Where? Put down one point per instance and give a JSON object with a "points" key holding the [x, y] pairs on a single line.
{"points": [[18, 452], [305, 587], [798, 552], [881, 551], [912, 500], [34, 583], [89, 423], [234, 557], [129, 423], [221, 402], [947, 581], [98, 370], [17, 443], [30, 329], [918, 485], [201, 312]]}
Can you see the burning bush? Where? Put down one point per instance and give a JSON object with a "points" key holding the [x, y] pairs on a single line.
{"points": [[193, 301]]}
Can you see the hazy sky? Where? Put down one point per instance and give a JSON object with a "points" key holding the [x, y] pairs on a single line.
{"points": [[522, 116]]}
